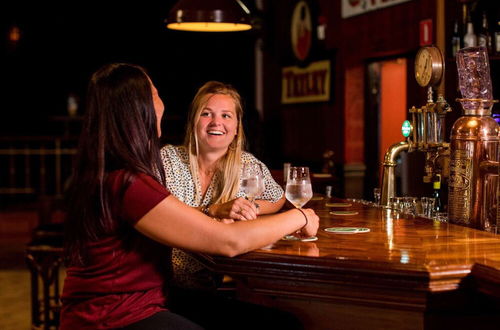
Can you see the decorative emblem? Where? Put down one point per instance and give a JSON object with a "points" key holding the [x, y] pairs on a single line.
{"points": [[460, 189], [301, 30]]}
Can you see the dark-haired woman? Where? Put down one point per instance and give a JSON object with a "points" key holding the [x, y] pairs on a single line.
{"points": [[122, 222]]}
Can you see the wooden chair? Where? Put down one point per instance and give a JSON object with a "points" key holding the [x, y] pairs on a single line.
{"points": [[44, 257]]}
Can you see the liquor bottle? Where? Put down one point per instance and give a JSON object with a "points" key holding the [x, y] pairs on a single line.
{"points": [[436, 186], [455, 40], [484, 36], [497, 38], [470, 39], [464, 20]]}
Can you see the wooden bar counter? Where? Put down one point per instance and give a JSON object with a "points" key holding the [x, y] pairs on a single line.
{"points": [[406, 273]]}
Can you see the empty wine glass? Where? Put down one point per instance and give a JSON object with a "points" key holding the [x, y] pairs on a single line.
{"points": [[298, 189], [252, 180]]}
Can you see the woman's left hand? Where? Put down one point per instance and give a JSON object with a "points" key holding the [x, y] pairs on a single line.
{"points": [[237, 209]]}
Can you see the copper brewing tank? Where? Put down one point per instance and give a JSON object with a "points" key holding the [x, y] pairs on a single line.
{"points": [[473, 181]]}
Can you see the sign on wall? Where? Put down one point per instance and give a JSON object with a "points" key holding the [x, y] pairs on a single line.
{"points": [[309, 84], [358, 7], [301, 30], [425, 32]]}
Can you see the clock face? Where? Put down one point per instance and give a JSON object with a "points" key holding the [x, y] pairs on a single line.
{"points": [[428, 66], [423, 67]]}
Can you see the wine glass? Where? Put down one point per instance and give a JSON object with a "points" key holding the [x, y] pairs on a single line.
{"points": [[298, 186], [298, 190], [252, 180]]}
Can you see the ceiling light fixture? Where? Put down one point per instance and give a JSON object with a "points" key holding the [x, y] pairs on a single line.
{"points": [[209, 16]]}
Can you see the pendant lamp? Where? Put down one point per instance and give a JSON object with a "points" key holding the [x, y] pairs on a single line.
{"points": [[209, 16]]}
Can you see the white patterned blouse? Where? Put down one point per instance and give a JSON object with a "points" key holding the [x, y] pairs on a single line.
{"points": [[187, 271]]}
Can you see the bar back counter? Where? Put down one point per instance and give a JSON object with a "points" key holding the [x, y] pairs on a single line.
{"points": [[405, 273]]}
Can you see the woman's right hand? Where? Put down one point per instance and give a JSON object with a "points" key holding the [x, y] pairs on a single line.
{"points": [[237, 209], [311, 228]]}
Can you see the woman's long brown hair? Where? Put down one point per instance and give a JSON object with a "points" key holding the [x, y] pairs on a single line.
{"points": [[119, 132]]}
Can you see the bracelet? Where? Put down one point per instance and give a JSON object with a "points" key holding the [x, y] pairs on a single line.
{"points": [[307, 221]]}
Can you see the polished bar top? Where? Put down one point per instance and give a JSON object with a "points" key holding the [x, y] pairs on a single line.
{"points": [[397, 252]]}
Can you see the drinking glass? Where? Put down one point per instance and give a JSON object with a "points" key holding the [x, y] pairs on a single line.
{"points": [[440, 216], [298, 186], [396, 205], [428, 206], [252, 180], [410, 205], [474, 78], [376, 195], [298, 189], [328, 191], [286, 169]]}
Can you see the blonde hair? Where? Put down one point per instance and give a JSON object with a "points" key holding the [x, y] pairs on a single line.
{"points": [[228, 167]]}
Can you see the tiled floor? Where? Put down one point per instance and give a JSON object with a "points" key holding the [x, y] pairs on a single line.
{"points": [[15, 306]]}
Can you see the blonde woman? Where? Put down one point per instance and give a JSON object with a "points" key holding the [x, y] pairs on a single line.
{"points": [[205, 172]]}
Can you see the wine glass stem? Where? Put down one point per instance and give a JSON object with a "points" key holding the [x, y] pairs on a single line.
{"points": [[298, 230]]}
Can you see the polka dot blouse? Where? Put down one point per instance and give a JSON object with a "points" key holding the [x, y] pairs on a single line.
{"points": [[187, 271]]}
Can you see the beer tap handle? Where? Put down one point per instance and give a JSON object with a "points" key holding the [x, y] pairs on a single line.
{"points": [[437, 162], [430, 98], [442, 105]]}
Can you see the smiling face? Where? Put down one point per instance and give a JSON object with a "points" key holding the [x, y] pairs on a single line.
{"points": [[217, 124]]}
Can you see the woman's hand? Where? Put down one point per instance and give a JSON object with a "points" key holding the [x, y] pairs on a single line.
{"points": [[311, 227], [226, 221], [237, 209]]}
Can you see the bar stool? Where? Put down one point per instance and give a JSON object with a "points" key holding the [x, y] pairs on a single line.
{"points": [[44, 257]]}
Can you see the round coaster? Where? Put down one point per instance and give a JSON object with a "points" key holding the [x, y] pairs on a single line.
{"points": [[347, 230], [309, 239], [295, 238], [338, 204], [343, 212]]}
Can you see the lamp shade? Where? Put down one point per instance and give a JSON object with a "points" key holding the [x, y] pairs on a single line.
{"points": [[209, 16]]}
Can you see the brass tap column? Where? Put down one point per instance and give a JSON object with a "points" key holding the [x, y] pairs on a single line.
{"points": [[388, 180], [474, 156], [473, 182]]}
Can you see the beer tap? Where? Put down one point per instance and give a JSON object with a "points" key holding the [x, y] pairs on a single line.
{"points": [[437, 151], [425, 131]]}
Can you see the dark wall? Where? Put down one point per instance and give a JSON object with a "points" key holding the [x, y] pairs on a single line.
{"points": [[63, 43], [297, 133], [302, 132]]}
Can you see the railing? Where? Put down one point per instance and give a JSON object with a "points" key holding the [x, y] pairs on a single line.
{"points": [[35, 165]]}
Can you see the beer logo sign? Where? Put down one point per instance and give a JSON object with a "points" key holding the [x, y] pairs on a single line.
{"points": [[301, 30]]}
